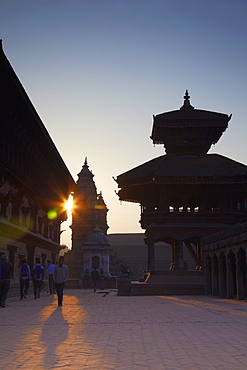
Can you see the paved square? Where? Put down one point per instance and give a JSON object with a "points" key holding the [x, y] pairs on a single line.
{"points": [[103, 331]]}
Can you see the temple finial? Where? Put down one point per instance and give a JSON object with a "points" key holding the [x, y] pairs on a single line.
{"points": [[85, 162], [186, 96], [186, 100]]}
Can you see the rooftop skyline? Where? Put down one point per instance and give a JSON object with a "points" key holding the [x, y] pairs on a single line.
{"points": [[96, 72]]}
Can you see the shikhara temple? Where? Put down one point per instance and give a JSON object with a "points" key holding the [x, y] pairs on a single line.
{"points": [[90, 246], [185, 194]]}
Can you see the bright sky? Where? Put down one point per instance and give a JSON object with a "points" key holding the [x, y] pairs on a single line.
{"points": [[97, 70]]}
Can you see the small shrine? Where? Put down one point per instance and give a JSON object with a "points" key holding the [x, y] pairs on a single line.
{"points": [[96, 252], [186, 193]]}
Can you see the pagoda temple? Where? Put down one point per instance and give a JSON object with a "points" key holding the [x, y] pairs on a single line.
{"points": [[186, 193]]}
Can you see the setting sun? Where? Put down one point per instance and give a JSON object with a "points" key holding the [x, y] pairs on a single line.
{"points": [[69, 204]]}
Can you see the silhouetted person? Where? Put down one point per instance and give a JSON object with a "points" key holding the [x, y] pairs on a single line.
{"points": [[50, 275], [95, 277], [7, 270], [24, 278], [61, 275], [38, 276]]}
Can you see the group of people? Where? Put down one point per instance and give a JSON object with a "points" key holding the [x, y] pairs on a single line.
{"points": [[57, 276]]}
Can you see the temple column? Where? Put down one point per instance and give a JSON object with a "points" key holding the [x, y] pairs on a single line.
{"points": [[173, 256], [222, 277], [229, 278], [177, 255], [240, 277], [199, 256], [181, 255], [215, 276], [208, 276]]}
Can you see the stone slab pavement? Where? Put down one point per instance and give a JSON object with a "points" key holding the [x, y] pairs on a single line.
{"points": [[104, 331]]}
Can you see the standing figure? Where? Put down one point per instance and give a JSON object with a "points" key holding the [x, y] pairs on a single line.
{"points": [[24, 278], [50, 275], [61, 275], [38, 276], [95, 277], [7, 270]]}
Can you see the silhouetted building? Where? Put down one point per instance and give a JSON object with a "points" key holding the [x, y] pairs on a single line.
{"points": [[96, 252], [34, 181], [186, 193], [225, 263], [89, 212], [89, 208]]}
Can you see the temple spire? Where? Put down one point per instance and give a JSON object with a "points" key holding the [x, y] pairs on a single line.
{"points": [[186, 101]]}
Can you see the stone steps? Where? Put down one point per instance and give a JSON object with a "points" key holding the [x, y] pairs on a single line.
{"points": [[170, 283]]}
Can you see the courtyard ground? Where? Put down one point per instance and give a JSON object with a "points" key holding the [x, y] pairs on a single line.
{"points": [[104, 331]]}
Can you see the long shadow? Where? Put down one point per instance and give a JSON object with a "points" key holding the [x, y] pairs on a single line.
{"points": [[54, 332]]}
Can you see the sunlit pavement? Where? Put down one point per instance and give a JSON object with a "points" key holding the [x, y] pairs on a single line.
{"points": [[103, 331]]}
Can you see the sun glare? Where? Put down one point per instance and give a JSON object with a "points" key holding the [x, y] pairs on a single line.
{"points": [[69, 204]]}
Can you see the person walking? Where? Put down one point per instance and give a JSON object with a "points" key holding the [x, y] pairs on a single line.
{"points": [[24, 278], [95, 277], [50, 275], [7, 270], [38, 276], [61, 275]]}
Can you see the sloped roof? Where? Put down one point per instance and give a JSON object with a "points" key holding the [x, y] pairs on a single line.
{"points": [[188, 130], [192, 114], [16, 99], [97, 238], [189, 114], [168, 166]]}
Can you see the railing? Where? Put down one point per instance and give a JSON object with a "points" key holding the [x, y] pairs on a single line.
{"points": [[160, 217]]}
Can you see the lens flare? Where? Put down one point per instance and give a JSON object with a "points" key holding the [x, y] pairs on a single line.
{"points": [[52, 213]]}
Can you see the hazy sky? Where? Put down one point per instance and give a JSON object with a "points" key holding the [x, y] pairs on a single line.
{"points": [[96, 72]]}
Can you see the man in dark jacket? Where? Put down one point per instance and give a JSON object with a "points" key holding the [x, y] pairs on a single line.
{"points": [[24, 278], [38, 276], [7, 270], [61, 275], [95, 278]]}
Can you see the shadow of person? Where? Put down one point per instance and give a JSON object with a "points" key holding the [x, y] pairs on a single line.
{"points": [[54, 332]]}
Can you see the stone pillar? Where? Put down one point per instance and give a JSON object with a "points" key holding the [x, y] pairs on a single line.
{"points": [[215, 276], [178, 259], [208, 276], [229, 278], [240, 277], [173, 256], [199, 256], [222, 276], [181, 255]]}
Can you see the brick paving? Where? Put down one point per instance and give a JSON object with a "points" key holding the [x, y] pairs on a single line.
{"points": [[103, 331]]}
